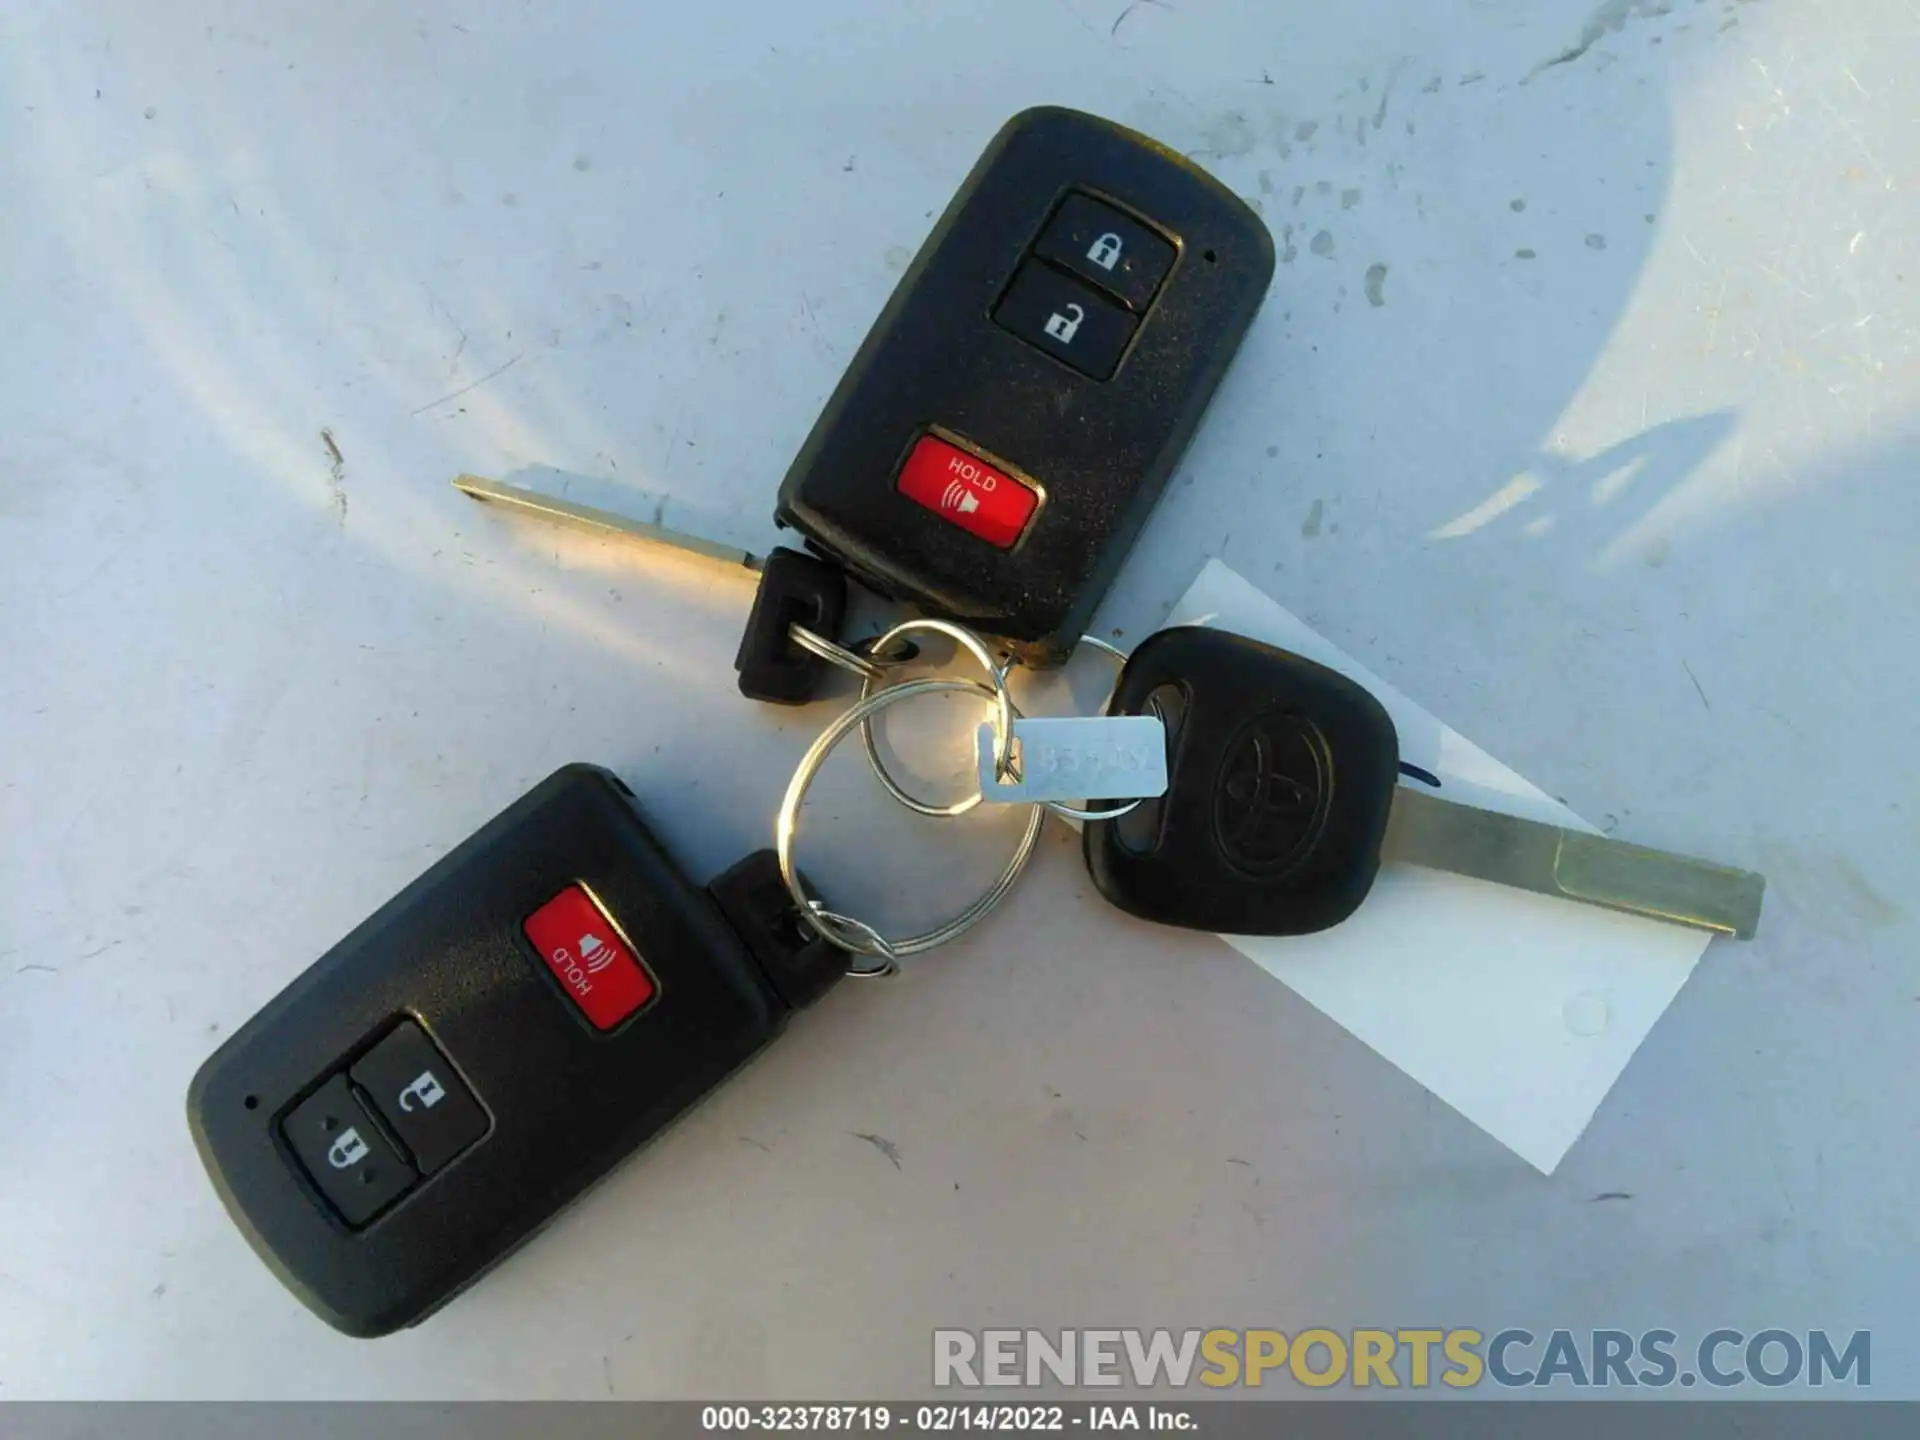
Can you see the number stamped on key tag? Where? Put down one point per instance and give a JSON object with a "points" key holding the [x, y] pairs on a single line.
{"points": [[1078, 757]]}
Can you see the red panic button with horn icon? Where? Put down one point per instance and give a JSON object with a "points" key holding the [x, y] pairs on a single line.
{"points": [[589, 959], [961, 487]]}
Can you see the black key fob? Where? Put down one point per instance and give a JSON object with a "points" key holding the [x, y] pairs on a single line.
{"points": [[1280, 776], [486, 1046], [1013, 415]]}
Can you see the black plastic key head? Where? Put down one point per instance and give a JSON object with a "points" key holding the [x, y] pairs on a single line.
{"points": [[1280, 776], [795, 589], [799, 964]]}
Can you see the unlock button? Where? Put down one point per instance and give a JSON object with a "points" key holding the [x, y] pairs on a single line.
{"points": [[420, 1097], [1070, 321]]}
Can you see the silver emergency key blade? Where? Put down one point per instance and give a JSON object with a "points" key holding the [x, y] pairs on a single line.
{"points": [[1423, 829], [1077, 757], [605, 522]]}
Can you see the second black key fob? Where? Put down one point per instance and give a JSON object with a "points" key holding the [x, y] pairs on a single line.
{"points": [[1010, 420], [487, 1045]]}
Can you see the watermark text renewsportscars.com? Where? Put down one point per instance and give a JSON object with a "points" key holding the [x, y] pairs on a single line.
{"points": [[1402, 1359]]}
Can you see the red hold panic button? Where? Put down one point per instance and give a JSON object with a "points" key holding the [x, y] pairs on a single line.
{"points": [[963, 488], [591, 962]]}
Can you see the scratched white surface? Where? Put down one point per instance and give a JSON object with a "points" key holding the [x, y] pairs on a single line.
{"points": [[1583, 408]]}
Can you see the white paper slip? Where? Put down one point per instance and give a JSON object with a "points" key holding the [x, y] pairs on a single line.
{"points": [[1518, 1010]]}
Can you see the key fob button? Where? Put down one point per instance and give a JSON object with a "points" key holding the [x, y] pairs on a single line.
{"points": [[964, 489], [420, 1097], [593, 965], [344, 1153], [1114, 251], [1069, 320]]}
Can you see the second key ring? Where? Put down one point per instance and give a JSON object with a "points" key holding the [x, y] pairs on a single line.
{"points": [[1003, 760], [852, 935], [1002, 723]]}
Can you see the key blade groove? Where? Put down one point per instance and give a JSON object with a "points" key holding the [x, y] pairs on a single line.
{"points": [[604, 522], [1591, 869], [1669, 887]]}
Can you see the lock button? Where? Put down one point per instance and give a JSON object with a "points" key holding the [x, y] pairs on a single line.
{"points": [[420, 1097], [344, 1153], [1114, 251], [1069, 320]]}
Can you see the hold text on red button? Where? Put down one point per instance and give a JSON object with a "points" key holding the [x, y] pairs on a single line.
{"points": [[591, 962], [964, 489]]}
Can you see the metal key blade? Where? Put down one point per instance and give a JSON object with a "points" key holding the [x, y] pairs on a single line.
{"points": [[1423, 829], [588, 517]]}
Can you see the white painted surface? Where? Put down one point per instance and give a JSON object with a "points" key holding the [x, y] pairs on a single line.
{"points": [[1638, 513]]}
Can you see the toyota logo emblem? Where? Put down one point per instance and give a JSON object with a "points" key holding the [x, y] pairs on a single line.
{"points": [[1271, 795]]}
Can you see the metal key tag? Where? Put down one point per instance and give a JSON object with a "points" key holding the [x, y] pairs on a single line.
{"points": [[1077, 757]]}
